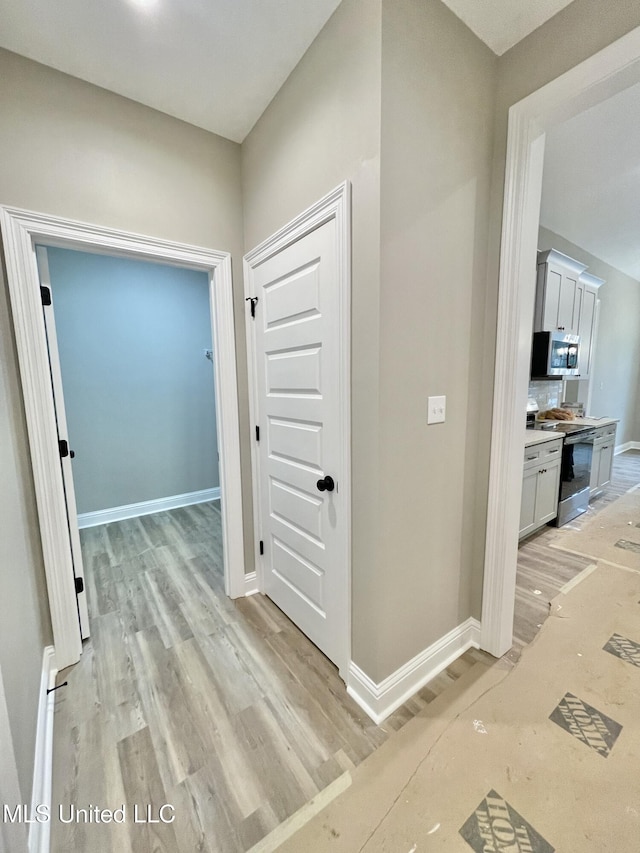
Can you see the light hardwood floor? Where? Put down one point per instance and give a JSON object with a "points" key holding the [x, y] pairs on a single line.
{"points": [[222, 709], [543, 570]]}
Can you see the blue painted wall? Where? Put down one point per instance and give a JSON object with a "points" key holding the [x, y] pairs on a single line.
{"points": [[139, 391]]}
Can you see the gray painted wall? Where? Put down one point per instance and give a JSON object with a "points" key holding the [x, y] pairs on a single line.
{"points": [[25, 627], [616, 375], [323, 127], [438, 83], [405, 88], [71, 149], [138, 390]]}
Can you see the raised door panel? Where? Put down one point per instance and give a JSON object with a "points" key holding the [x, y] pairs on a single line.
{"points": [[605, 463], [586, 330], [528, 502], [595, 466], [547, 492], [568, 304], [551, 307]]}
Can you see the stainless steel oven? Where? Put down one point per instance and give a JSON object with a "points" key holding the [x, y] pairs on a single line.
{"points": [[575, 476]]}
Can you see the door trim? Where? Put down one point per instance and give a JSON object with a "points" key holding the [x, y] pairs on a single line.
{"points": [[608, 72], [42, 258], [20, 231], [335, 205]]}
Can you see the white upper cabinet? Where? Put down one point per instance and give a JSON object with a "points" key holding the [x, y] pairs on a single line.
{"points": [[588, 322], [559, 293]]}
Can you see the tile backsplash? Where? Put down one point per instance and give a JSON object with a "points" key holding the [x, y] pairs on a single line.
{"points": [[547, 393]]}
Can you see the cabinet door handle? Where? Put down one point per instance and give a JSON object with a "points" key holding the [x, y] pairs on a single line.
{"points": [[605, 447], [530, 458], [557, 450]]}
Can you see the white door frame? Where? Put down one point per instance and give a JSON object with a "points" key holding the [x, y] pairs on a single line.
{"points": [[605, 74], [21, 230], [335, 205]]}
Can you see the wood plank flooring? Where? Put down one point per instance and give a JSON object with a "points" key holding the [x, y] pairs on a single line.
{"points": [[222, 709], [543, 570]]}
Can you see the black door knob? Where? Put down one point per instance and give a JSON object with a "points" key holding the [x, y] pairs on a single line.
{"points": [[72, 454], [326, 484]]}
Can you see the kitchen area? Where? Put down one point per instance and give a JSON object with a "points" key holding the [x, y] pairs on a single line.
{"points": [[583, 410], [568, 453]]}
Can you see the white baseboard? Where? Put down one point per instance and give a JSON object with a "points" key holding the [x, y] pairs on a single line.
{"points": [[629, 445], [380, 700], [119, 513], [39, 833]]}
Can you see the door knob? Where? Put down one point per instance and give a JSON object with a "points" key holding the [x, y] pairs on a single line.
{"points": [[326, 484]]}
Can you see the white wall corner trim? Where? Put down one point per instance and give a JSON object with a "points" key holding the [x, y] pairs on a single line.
{"points": [[39, 833], [119, 513], [380, 700]]}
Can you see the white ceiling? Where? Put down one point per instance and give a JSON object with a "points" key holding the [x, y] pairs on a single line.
{"points": [[502, 23], [591, 183], [214, 63]]}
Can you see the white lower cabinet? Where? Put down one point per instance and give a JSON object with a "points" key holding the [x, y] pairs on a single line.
{"points": [[604, 444], [540, 485]]}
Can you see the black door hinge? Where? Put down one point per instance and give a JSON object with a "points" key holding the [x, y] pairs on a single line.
{"points": [[254, 301], [79, 585], [45, 295], [257, 433], [261, 547], [64, 449]]}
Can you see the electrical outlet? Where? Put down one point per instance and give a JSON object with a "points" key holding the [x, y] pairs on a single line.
{"points": [[436, 410]]}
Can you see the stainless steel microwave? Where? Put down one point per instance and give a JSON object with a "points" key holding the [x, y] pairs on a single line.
{"points": [[554, 354]]}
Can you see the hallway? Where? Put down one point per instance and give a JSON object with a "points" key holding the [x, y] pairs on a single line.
{"points": [[221, 709]]}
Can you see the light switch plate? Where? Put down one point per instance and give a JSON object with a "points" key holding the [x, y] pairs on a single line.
{"points": [[436, 410]]}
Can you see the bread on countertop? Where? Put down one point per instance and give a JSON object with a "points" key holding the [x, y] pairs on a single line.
{"points": [[556, 414]]}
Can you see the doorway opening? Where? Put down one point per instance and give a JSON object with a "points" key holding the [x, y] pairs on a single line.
{"points": [[131, 356], [22, 231], [598, 78]]}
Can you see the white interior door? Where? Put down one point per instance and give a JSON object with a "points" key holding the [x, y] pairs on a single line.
{"points": [[66, 453], [303, 488]]}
